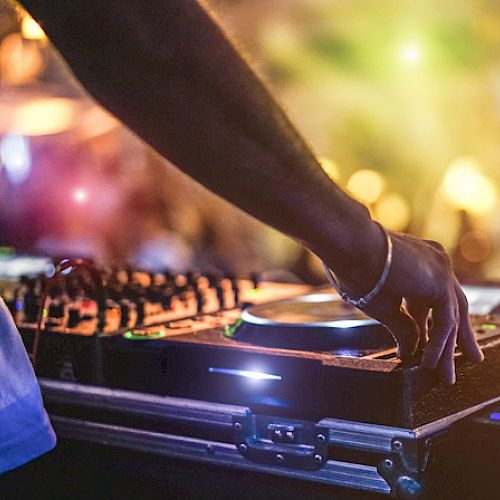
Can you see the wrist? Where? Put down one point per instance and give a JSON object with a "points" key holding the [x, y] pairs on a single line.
{"points": [[361, 251], [363, 301]]}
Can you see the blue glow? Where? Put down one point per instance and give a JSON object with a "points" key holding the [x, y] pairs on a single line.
{"points": [[50, 270], [19, 305], [495, 416], [16, 157], [253, 375]]}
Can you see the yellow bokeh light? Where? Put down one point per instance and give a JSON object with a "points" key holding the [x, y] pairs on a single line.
{"points": [[30, 29], [393, 211], [411, 54], [366, 185], [466, 188], [330, 168], [20, 61], [475, 246], [43, 116]]}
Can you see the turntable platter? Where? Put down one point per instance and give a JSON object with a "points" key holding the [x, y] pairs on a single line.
{"points": [[315, 322]]}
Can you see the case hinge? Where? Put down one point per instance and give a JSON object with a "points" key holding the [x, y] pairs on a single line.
{"points": [[276, 441], [403, 469]]}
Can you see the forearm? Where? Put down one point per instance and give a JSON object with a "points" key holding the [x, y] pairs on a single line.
{"points": [[167, 71]]}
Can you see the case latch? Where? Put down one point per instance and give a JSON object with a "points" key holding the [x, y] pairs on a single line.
{"points": [[276, 441]]}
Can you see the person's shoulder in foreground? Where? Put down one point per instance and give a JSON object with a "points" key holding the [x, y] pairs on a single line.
{"points": [[25, 430]]}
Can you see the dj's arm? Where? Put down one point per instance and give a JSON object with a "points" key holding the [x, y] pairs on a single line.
{"points": [[167, 71]]}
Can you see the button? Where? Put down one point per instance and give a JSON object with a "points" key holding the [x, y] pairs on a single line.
{"points": [[489, 326]]}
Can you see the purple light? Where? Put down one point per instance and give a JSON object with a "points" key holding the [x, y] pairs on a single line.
{"points": [[80, 195], [16, 157]]}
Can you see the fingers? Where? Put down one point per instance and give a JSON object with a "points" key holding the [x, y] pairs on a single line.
{"points": [[466, 339], [444, 324], [446, 366], [405, 330], [451, 325], [420, 312], [422, 274]]}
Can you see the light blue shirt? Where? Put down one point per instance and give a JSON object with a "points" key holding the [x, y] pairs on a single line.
{"points": [[25, 430]]}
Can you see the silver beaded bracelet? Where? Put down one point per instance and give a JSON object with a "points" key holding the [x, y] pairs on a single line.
{"points": [[363, 301]]}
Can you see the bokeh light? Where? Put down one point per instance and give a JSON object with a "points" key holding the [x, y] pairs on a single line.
{"points": [[411, 54], [366, 185], [466, 188], [402, 89], [15, 155], [80, 195], [393, 211], [44, 116], [20, 61], [30, 29], [330, 168], [475, 246]]}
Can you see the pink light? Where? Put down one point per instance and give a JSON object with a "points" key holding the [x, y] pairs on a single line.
{"points": [[80, 196]]}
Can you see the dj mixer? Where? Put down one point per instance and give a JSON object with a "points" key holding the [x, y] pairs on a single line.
{"points": [[81, 317], [271, 377]]}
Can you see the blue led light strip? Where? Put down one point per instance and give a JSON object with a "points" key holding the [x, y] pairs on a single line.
{"points": [[244, 373]]}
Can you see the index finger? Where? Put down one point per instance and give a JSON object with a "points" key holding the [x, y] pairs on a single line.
{"points": [[466, 339], [444, 324]]}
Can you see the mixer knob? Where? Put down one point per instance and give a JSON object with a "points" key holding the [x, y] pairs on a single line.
{"points": [[125, 312], [154, 294], [132, 291], [115, 292], [192, 278], [140, 303], [220, 296], [200, 300], [236, 290], [74, 317], [214, 278], [169, 277], [56, 309], [166, 298], [130, 274]]}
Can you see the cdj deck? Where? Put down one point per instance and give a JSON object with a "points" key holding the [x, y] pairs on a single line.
{"points": [[272, 374], [203, 361]]}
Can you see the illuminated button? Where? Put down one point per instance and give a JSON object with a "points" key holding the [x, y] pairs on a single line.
{"points": [[495, 416], [489, 326], [144, 334]]}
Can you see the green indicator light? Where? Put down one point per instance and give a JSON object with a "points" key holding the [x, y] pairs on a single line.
{"points": [[6, 251], [131, 335], [45, 313], [489, 326], [229, 330]]}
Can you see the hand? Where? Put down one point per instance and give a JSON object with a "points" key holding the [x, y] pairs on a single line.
{"points": [[421, 273]]}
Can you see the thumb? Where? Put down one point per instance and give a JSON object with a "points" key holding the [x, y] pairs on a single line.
{"points": [[405, 330]]}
